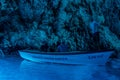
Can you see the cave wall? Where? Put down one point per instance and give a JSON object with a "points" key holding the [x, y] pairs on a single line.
{"points": [[35, 23]]}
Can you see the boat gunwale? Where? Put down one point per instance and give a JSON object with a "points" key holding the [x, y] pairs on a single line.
{"points": [[64, 53]]}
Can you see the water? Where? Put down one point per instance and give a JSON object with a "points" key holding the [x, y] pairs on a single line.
{"points": [[15, 68]]}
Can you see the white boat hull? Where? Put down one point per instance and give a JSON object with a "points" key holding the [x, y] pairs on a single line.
{"points": [[97, 58]]}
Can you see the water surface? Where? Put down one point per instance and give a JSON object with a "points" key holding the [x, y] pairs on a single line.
{"points": [[15, 68]]}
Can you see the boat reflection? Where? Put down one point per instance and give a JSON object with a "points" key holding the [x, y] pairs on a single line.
{"points": [[50, 71]]}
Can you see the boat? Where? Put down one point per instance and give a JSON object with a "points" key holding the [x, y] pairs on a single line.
{"points": [[75, 57]]}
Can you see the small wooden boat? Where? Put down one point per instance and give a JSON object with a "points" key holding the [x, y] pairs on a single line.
{"points": [[76, 57]]}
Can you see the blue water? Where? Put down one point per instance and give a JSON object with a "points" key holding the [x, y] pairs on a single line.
{"points": [[15, 68]]}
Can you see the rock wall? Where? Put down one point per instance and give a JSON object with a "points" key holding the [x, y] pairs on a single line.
{"points": [[35, 23]]}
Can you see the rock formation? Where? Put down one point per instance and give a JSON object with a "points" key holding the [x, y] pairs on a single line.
{"points": [[33, 23]]}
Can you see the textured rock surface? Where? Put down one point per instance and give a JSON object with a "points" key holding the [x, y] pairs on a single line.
{"points": [[34, 23]]}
